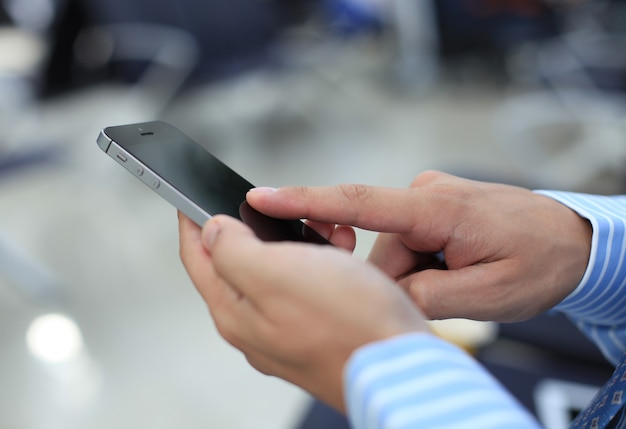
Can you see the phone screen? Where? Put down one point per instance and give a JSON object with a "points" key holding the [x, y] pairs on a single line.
{"points": [[203, 179]]}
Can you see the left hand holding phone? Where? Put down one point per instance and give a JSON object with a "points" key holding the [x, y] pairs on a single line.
{"points": [[296, 311]]}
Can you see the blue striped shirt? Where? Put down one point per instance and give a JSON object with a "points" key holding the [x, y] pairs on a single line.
{"points": [[419, 381]]}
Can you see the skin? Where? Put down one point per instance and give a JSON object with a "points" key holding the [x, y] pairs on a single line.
{"points": [[298, 311], [511, 254]]}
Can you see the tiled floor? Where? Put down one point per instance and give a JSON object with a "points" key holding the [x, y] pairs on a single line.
{"points": [[107, 247]]}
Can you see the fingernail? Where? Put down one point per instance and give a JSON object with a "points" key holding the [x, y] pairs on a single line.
{"points": [[262, 190], [209, 233]]}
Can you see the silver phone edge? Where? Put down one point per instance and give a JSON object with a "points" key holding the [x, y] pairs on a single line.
{"points": [[152, 180]]}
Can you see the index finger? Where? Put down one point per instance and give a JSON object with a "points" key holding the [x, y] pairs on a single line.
{"points": [[368, 207]]}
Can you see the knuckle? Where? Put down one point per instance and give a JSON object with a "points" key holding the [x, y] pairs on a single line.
{"points": [[355, 192], [266, 333], [427, 177], [227, 334], [302, 196], [260, 365], [300, 190]]}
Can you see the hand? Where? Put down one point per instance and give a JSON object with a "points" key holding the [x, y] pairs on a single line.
{"points": [[296, 311], [511, 254]]}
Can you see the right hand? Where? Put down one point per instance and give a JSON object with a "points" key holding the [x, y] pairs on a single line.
{"points": [[511, 254]]}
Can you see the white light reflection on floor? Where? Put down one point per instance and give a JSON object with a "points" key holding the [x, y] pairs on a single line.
{"points": [[54, 338], [56, 341]]}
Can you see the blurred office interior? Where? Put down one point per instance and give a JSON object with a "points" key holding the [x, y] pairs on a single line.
{"points": [[100, 326]]}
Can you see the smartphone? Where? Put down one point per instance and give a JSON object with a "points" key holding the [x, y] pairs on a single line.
{"points": [[194, 181]]}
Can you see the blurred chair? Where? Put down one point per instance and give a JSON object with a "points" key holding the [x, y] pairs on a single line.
{"points": [[569, 134], [164, 57], [229, 36], [156, 50]]}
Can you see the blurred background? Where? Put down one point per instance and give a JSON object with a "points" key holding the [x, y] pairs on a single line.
{"points": [[100, 326]]}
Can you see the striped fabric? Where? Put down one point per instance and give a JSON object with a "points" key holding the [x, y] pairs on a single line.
{"points": [[598, 305], [419, 381]]}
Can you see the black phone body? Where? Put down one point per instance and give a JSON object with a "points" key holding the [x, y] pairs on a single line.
{"points": [[193, 180]]}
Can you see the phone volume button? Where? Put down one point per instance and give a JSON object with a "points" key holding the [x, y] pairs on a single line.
{"points": [[139, 171], [155, 183]]}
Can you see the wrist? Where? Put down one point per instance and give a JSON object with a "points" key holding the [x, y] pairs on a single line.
{"points": [[599, 285]]}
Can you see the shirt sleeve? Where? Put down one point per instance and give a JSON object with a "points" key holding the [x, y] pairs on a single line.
{"points": [[420, 381], [598, 304]]}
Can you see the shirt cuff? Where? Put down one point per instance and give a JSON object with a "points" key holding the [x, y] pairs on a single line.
{"points": [[600, 297], [419, 380], [598, 304]]}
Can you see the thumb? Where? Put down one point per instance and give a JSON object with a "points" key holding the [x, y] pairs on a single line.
{"points": [[479, 292], [235, 250], [220, 225]]}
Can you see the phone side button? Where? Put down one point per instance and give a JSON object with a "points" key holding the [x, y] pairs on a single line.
{"points": [[121, 157], [139, 171], [155, 183]]}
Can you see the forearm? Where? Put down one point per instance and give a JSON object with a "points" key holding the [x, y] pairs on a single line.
{"points": [[419, 381], [598, 304]]}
